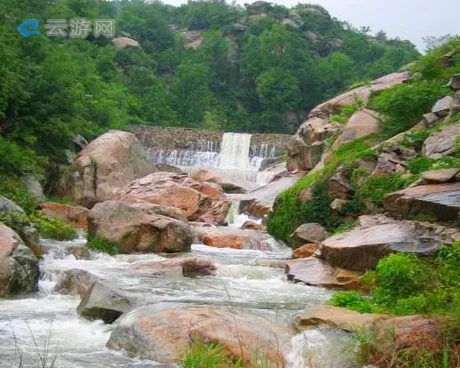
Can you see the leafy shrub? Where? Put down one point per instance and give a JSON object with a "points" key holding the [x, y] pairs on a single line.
{"points": [[399, 276], [52, 228], [290, 212], [419, 165], [404, 284], [404, 105], [415, 139], [376, 188], [353, 300], [100, 244]]}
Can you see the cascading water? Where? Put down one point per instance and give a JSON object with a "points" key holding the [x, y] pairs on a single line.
{"points": [[235, 151], [234, 156], [27, 323]]}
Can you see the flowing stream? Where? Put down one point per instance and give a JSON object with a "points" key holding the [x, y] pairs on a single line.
{"points": [[27, 323]]}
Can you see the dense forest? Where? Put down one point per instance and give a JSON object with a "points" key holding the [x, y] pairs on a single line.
{"points": [[206, 64]]}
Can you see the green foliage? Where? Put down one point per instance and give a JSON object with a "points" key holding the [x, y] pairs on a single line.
{"points": [[52, 228], [15, 190], [290, 212], [420, 164], [414, 139], [201, 355], [399, 276], [353, 300], [100, 244], [405, 285], [375, 188], [404, 105], [346, 112]]}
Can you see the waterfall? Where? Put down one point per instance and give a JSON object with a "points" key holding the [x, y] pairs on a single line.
{"points": [[234, 156], [235, 151]]}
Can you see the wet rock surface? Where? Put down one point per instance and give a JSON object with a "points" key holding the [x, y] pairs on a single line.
{"points": [[315, 272], [224, 237], [103, 302], [138, 228], [18, 265], [165, 336]]}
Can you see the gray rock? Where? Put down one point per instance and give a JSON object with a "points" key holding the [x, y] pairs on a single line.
{"points": [[18, 265], [19, 222], [310, 233], [441, 107], [442, 143], [103, 302], [440, 176], [362, 248], [430, 119], [34, 188], [454, 82], [437, 200], [75, 282], [339, 186], [7, 206]]}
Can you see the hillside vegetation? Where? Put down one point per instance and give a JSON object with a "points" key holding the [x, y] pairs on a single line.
{"points": [[205, 64], [401, 108]]}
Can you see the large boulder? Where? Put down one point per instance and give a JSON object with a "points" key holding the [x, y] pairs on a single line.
{"points": [[179, 191], [106, 165], [18, 265], [138, 227], [260, 202], [225, 237], [310, 233], [315, 272], [165, 336], [441, 143], [77, 216], [15, 217], [437, 200], [103, 302], [229, 185], [362, 248], [187, 267], [308, 144], [361, 124]]}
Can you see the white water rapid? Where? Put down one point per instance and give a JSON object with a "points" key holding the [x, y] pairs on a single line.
{"points": [[28, 322]]}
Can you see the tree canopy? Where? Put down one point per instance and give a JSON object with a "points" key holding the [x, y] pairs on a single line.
{"points": [[205, 64]]}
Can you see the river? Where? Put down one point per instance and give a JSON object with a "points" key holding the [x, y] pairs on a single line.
{"points": [[47, 320]]}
